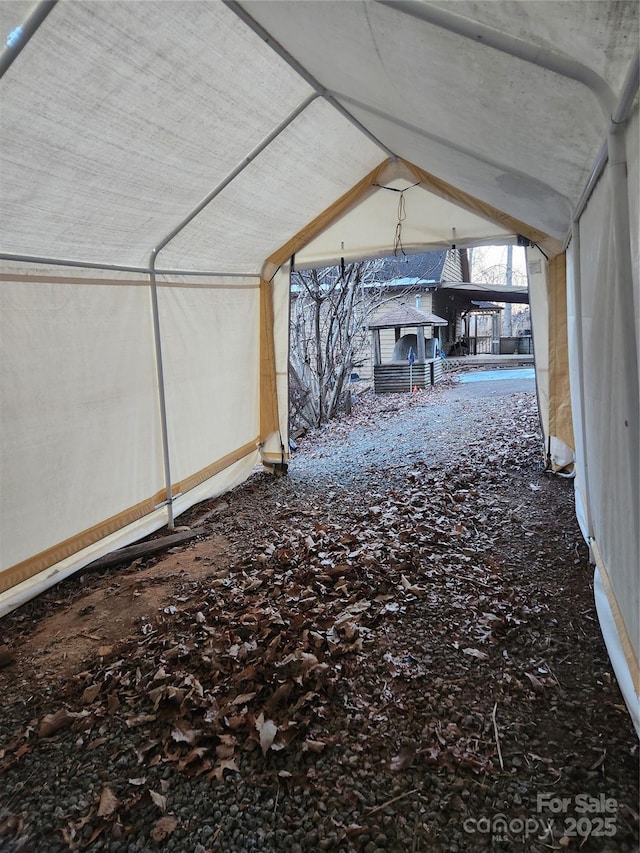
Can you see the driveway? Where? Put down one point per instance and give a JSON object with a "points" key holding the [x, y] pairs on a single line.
{"points": [[475, 384]]}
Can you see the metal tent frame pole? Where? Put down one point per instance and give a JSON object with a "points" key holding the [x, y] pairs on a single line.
{"points": [[551, 60], [320, 90], [577, 298], [24, 33], [153, 273], [96, 265]]}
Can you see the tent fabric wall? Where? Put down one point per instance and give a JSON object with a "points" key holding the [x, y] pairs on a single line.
{"points": [[79, 403], [547, 297], [606, 407], [80, 409], [211, 372]]}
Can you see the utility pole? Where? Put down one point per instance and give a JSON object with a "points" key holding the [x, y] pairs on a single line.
{"points": [[509, 282]]}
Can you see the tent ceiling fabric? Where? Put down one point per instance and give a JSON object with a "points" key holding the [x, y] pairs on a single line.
{"points": [[369, 230], [603, 33], [519, 137], [275, 190], [521, 195], [120, 117]]}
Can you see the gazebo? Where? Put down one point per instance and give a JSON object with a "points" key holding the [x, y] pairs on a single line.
{"points": [[399, 375]]}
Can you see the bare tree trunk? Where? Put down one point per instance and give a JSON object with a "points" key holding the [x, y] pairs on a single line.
{"points": [[328, 327]]}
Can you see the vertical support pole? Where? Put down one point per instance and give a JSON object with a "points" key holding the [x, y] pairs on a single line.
{"points": [[420, 354], [579, 339], [161, 391], [509, 281], [377, 357], [269, 414], [495, 334], [622, 245]]}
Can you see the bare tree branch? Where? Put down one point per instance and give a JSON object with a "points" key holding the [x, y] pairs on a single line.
{"points": [[329, 325]]}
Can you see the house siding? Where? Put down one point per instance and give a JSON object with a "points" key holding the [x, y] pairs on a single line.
{"points": [[452, 269], [387, 336]]}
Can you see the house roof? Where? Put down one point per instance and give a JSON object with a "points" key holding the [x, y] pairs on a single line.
{"points": [[485, 306], [422, 266], [414, 283], [406, 315], [480, 292]]}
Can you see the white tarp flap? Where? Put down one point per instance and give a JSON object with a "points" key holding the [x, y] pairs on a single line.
{"points": [[605, 402]]}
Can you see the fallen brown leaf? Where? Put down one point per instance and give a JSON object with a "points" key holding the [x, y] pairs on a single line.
{"points": [[476, 653], [108, 802], [52, 723], [226, 764], [159, 800], [163, 828], [90, 693]]}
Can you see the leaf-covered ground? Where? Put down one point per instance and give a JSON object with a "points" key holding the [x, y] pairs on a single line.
{"points": [[394, 648]]}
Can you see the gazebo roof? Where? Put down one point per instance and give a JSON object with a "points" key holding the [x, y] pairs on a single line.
{"points": [[406, 315]]}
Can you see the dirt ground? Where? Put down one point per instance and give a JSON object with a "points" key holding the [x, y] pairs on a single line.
{"points": [[101, 613], [398, 639]]}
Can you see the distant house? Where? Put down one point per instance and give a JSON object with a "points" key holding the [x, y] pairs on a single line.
{"points": [[466, 316], [473, 312], [424, 267], [409, 282]]}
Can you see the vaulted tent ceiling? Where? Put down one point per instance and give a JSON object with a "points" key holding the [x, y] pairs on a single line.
{"points": [[121, 118], [512, 134]]}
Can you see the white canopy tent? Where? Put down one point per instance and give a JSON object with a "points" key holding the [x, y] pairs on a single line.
{"points": [[161, 164]]}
